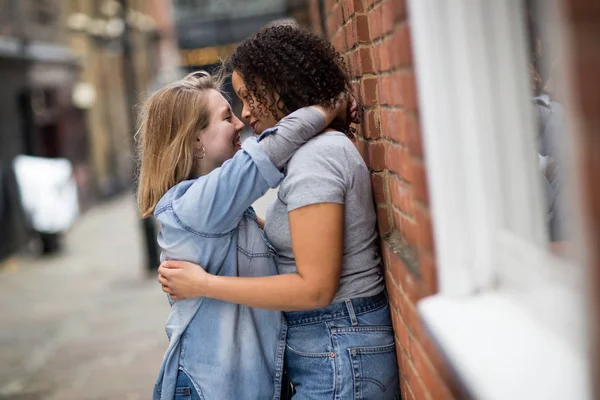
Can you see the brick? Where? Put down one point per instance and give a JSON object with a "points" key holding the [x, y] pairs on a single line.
{"points": [[412, 131], [383, 220], [395, 266], [338, 41], [377, 184], [400, 46], [353, 64], [338, 14], [408, 228], [400, 10], [409, 91], [401, 195], [335, 19], [403, 277], [371, 124], [428, 375], [365, 60], [386, 54], [401, 332], [409, 311], [403, 362], [404, 389], [377, 54], [386, 82], [441, 366], [375, 22], [368, 91], [359, 6], [377, 156], [329, 5], [348, 8], [409, 394], [359, 131], [428, 271], [363, 34], [393, 291], [415, 384], [392, 125], [357, 92], [425, 231], [331, 26], [391, 88], [398, 161], [361, 146], [419, 181], [387, 17], [350, 35]]}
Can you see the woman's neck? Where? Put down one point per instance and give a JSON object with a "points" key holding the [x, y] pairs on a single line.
{"points": [[203, 167]]}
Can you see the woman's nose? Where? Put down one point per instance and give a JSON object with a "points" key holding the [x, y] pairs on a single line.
{"points": [[239, 125], [246, 112]]}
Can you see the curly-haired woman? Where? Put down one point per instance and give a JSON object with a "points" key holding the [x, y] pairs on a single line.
{"points": [[340, 343]]}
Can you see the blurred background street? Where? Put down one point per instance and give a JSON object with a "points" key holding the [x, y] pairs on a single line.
{"points": [[87, 323]]}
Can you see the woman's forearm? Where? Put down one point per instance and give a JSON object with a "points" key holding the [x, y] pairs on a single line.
{"points": [[287, 292]]}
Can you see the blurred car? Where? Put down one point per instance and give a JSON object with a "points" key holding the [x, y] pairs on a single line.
{"points": [[49, 197]]}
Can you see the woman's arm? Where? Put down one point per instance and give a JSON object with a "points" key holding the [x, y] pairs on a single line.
{"points": [[317, 241], [214, 203]]}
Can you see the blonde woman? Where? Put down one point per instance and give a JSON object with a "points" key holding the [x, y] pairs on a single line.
{"points": [[199, 181]]}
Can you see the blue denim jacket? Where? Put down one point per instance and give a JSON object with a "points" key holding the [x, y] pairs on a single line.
{"points": [[229, 351]]}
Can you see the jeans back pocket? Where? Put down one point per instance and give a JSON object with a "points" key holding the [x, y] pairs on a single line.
{"points": [[375, 372]]}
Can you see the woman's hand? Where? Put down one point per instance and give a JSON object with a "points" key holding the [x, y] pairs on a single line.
{"points": [[182, 279], [352, 113], [344, 104]]}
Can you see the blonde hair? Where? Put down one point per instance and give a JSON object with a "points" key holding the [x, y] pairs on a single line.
{"points": [[169, 122]]}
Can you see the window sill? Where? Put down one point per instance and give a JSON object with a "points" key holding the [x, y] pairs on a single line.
{"points": [[499, 351]]}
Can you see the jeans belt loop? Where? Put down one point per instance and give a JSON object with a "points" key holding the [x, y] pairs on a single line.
{"points": [[351, 312]]}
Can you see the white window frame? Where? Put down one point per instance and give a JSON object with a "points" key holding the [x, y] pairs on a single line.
{"points": [[510, 317]]}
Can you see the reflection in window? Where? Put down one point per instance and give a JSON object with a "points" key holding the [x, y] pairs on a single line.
{"points": [[549, 111]]}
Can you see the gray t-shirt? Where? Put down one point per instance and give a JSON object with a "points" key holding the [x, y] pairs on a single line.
{"points": [[329, 169]]}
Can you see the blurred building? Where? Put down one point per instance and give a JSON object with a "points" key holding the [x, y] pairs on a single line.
{"points": [[210, 30], [97, 29], [61, 70], [38, 72]]}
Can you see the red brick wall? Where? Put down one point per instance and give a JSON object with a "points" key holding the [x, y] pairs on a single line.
{"points": [[374, 37]]}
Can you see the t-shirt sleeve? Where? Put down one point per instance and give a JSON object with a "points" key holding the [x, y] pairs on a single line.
{"points": [[314, 178]]}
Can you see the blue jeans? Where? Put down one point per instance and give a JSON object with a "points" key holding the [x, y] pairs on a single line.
{"points": [[184, 388], [345, 351]]}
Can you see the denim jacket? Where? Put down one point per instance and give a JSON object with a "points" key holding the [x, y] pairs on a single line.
{"points": [[229, 351]]}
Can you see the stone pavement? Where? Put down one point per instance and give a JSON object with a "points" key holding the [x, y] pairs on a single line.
{"points": [[88, 323]]}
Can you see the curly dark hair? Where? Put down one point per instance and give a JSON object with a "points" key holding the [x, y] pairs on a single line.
{"points": [[303, 68]]}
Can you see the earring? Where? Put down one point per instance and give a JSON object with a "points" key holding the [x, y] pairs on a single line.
{"points": [[200, 157]]}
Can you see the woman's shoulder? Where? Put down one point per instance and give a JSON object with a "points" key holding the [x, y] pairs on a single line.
{"points": [[330, 153], [166, 201], [331, 144]]}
